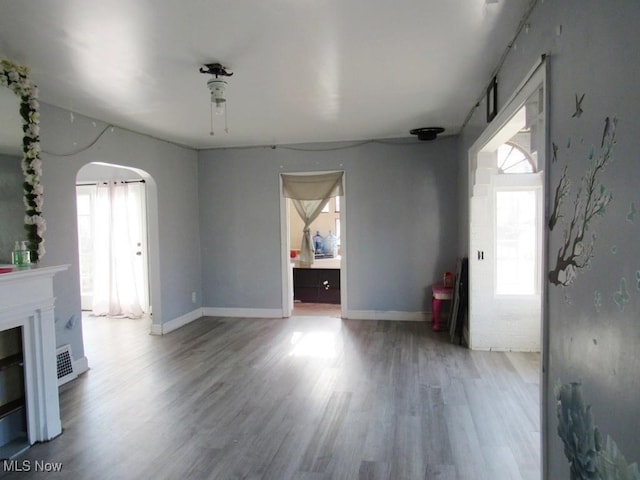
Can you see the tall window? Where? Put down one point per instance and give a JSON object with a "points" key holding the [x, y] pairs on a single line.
{"points": [[85, 201], [516, 242]]}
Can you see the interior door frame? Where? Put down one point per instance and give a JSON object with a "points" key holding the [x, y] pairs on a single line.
{"points": [[537, 76], [152, 243], [285, 247]]}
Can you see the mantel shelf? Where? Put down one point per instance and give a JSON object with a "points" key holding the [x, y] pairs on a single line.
{"points": [[32, 271]]}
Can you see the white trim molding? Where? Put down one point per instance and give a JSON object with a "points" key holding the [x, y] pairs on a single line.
{"points": [[388, 315], [171, 325], [176, 323], [81, 365], [242, 312]]}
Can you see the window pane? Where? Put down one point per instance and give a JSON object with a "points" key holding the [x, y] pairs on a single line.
{"points": [[516, 242], [85, 237], [512, 159]]}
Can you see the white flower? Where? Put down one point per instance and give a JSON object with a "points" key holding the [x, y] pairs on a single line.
{"points": [[38, 189], [33, 130], [37, 169]]}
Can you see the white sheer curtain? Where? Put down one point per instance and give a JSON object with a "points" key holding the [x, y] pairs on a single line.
{"points": [[309, 194], [115, 291]]}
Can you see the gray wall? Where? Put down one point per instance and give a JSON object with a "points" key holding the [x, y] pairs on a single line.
{"points": [[11, 206], [174, 174], [593, 321], [401, 203], [92, 173]]}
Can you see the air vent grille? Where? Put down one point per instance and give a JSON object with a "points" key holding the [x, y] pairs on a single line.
{"points": [[65, 365]]}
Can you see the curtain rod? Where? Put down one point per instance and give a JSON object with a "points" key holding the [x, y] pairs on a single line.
{"points": [[88, 184]]}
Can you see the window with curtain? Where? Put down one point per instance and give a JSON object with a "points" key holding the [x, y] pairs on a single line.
{"points": [[117, 279]]}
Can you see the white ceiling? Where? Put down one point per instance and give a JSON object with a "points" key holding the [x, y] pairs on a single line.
{"points": [[304, 70]]}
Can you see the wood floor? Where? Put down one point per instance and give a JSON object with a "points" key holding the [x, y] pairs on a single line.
{"points": [[316, 309], [308, 398]]}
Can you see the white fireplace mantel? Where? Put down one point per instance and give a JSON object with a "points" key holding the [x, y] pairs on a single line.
{"points": [[27, 301]]}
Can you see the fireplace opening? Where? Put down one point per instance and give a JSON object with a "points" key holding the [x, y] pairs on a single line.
{"points": [[13, 410]]}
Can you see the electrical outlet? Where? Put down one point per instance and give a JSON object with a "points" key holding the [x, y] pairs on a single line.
{"points": [[193, 297]]}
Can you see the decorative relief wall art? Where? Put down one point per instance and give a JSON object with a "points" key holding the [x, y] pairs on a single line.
{"points": [[590, 201]]}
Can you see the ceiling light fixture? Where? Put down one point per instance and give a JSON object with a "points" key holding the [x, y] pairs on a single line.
{"points": [[218, 87], [427, 133]]}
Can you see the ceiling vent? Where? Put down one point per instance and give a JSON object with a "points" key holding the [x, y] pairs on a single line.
{"points": [[427, 133]]}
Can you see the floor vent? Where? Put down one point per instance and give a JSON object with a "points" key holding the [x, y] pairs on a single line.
{"points": [[65, 365]]}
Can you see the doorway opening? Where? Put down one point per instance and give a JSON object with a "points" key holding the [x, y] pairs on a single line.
{"points": [[506, 226], [113, 235], [507, 241], [313, 247], [316, 290]]}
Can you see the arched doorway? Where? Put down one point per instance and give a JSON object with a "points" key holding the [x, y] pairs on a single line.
{"points": [[143, 225]]}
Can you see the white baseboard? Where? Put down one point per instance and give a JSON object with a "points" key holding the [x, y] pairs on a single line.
{"points": [[506, 350], [176, 323], [242, 312], [80, 365], [387, 315], [171, 325], [155, 329]]}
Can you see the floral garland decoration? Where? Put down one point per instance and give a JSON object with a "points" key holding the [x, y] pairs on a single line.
{"points": [[16, 78]]}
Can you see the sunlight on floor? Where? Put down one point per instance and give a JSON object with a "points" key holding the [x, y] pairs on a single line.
{"points": [[314, 344], [316, 309]]}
